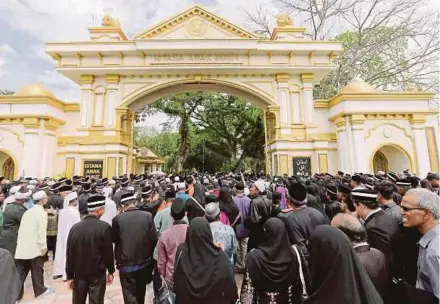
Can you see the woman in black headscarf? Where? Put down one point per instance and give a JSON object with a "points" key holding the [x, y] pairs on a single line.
{"points": [[203, 272], [228, 206], [338, 276], [272, 269]]}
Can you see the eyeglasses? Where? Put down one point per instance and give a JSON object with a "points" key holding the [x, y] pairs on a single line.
{"points": [[406, 209]]}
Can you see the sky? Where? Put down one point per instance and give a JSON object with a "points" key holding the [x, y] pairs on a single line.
{"points": [[26, 25]]}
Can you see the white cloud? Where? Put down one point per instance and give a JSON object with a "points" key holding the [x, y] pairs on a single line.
{"points": [[2, 68], [61, 86], [6, 49], [67, 20], [41, 21]]}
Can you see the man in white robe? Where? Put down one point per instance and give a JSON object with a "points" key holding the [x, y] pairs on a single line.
{"points": [[67, 218], [110, 206]]}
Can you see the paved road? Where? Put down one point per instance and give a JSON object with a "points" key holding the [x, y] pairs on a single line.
{"points": [[113, 294]]}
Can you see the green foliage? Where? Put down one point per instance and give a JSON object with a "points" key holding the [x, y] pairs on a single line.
{"points": [[216, 131], [377, 56], [6, 92]]}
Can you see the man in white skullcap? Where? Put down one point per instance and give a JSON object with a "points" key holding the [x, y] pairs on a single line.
{"points": [[16, 207], [68, 217], [31, 246]]}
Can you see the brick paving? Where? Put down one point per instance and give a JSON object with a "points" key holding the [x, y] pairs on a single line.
{"points": [[113, 293]]}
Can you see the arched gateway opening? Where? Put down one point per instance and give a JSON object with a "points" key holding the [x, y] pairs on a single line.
{"points": [[7, 166], [235, 153], [391, 158]]}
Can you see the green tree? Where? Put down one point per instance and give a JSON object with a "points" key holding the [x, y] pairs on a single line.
{"points": [[392, 44], [179, 108], [216, 130], [6, 92], [386, 69]]}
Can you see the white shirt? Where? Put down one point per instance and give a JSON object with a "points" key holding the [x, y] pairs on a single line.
{"points": [[31, 239], [110, 211]]}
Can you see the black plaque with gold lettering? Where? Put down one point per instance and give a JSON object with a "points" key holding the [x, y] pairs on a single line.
{"points": [[93, 168], [302, 166]]}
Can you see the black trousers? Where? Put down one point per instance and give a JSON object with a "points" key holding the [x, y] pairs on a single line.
{"points": [[36, 267], [134, 284], [157, 281], [52, 244], [94, 286]]}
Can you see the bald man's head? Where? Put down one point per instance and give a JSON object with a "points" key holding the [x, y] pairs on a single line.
{"points": [[351, 226]]}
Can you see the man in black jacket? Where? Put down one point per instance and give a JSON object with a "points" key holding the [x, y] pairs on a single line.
{"points": [[333, 207], [82, 199], [135, 237], [89, 254], [382, 229], [123, 190]]}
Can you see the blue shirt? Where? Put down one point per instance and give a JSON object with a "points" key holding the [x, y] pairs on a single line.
{"points": [[183, 196], [428, 262], [226, 236]]}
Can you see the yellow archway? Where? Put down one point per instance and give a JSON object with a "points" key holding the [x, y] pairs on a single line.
{"points": [[8, 165], [391, 157], [152, 92]]}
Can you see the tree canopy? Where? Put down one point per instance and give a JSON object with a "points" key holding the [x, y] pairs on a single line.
{"points": [[216, 131], [392, 44]]}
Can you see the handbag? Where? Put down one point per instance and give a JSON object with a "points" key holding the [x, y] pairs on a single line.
{"points": [[165, 295], [304, 294]]}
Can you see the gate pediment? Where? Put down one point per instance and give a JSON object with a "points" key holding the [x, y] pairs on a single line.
{"points": [[196, 23]]}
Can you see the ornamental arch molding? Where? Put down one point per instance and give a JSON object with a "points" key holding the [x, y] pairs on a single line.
{"points": [[152, 92]]}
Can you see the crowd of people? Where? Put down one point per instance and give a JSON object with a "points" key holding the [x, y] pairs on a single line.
{"points": [[360, 238]]}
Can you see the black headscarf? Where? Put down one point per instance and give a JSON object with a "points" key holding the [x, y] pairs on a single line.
{"points": [[10, 283], [227, 205], [202, 266], [337, 274], [272, 264]]}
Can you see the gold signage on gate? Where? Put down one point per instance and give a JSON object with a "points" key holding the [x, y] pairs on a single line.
{"points": [[195, 58]]}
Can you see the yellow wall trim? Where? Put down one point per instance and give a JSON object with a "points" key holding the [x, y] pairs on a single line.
{"points": [[97, 152], [108, 30], [380, 114], [381, 96], [323, 163], [432, 149], [112, 78], [322, 136], [111, 166], [407, 134], [196, 10], [70, 167], [86, 79], [72, 107], [94, 139], [53, 102], [307, 77], [321, 103], [282, 77], [293, 150]]}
